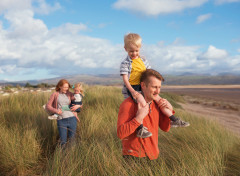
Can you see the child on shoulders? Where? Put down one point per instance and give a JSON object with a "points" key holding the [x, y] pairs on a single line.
{"points": [[131, 70]]}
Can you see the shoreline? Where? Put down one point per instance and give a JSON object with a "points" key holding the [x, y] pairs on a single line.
{"points": [[215, 102], [229, 119], [208, 86]]}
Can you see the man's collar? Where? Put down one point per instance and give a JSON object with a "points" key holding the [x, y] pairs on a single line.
{"points": [[150, 102]]}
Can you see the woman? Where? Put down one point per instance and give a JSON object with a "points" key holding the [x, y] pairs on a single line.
{"points": [[59, 104]]}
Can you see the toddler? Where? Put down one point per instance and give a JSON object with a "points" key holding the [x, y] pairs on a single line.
{"points": [[78, 95], [131, 69]]}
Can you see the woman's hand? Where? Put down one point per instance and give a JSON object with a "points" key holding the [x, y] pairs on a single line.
{"points": [[75, 107]]}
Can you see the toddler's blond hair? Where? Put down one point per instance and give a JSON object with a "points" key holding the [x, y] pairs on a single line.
{"points": [[80, 87], [132, 39]]}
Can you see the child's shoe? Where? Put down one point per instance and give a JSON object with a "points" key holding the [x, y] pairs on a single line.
{"points": [[179, 123], [143, 133], [53, 117]]}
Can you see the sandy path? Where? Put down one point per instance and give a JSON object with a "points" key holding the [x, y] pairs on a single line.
{"points": [[224, 94], [229, 119], [218, 102]]}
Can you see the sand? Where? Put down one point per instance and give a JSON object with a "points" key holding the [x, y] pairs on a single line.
{"points": [[229, 119], [221, 103]]}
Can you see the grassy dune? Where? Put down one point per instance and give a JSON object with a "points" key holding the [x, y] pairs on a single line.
{"points": [[28, 141]]}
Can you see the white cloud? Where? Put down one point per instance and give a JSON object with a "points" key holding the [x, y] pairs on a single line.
{"points": [[44, 8], [172, 58], [219, 2], [235, 40], [238, 50], [23, 25], [156, 7], [70, 28], [37, 6], [102, 25], [178, 41], [28, 46], [9, 69], [203, 18], [234, 61], [177, 58], [14, 5], [214, 53]]}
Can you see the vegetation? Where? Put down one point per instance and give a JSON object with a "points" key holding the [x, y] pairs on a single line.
{"points": [[40, 85], [28, 141], [7, 88]]}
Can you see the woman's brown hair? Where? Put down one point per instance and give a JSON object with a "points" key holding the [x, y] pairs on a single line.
{"points": [[61, 83]]}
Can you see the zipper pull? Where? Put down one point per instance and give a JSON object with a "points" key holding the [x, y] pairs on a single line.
{"points": [[150, 110]]}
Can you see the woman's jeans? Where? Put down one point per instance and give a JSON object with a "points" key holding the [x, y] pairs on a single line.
{"points": [[66, 128]]}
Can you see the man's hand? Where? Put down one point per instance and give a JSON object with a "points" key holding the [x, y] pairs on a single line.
{"points": [[158, 98], [142, 112], [138, 97]]}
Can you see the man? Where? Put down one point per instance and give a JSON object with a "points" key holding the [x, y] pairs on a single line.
{"points": [[132, 115]]}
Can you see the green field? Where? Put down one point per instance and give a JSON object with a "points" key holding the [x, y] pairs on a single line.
{"points": [[28, 141]]}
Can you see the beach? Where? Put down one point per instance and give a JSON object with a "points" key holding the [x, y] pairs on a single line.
{"points": [[216, 102]]}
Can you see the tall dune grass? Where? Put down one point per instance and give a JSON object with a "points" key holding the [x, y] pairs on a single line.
{"points": [[28, 141]]}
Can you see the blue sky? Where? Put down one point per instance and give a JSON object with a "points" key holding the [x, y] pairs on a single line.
{"points": [[43, 39]]}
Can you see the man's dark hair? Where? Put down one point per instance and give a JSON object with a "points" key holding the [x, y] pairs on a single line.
{"points": [[148, 73]]}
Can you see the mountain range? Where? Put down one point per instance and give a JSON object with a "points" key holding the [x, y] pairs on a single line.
{"points": [[115, 79]]}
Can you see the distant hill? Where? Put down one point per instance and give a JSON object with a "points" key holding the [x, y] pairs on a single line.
{"points": [[115, 79], [203, 80], [108, 79]]}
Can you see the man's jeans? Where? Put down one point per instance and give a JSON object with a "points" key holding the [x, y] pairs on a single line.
{"points": [[66, 128]]}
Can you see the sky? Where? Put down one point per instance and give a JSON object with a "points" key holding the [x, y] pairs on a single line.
{"points": [[42, 39]]}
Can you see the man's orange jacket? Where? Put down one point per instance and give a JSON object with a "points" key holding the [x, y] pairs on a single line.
{"points": [[127, 125]]}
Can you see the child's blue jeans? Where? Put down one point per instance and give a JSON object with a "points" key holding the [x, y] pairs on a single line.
{"points": [[67, 128]]}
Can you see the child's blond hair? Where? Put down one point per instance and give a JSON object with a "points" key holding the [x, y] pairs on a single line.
{"points": [[132, 39], [80, 87]]}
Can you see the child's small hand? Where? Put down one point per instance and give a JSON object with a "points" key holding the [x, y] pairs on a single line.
{"points": [[59, 112], [75, 107]]}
